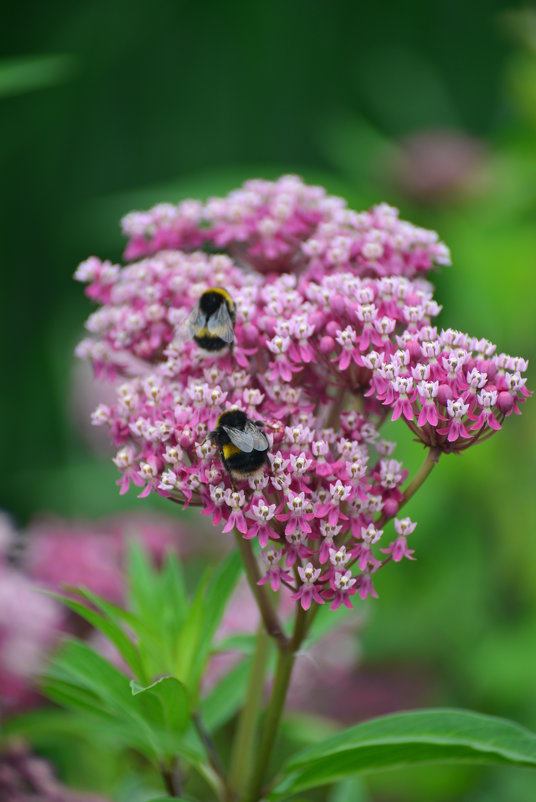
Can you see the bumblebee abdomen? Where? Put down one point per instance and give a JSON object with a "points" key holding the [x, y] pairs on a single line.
{"points": [[244, 464], [209, 342]]}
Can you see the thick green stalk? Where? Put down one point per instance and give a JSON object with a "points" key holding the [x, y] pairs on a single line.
{"points": [[285, 663], [245, 741]]}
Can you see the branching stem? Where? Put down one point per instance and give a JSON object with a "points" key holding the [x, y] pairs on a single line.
{"points": [[269, 616], [431, 460]]}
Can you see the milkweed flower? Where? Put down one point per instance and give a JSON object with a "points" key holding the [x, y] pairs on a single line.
{"points": [[327, 481], [281, 226], [334, 327], [469, 391]]}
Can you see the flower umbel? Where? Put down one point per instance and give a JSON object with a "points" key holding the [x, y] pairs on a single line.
{"points": [[334, 325]]}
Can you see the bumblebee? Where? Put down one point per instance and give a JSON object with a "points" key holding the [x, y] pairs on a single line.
{"points": [[242, 444], [211, 322]]}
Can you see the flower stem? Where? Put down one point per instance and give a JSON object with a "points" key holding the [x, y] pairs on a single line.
{"points": [[432, 458], [269, 616], [285, 663], [244, 741]]}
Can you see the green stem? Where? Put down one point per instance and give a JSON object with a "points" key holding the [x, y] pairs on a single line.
{"points": [[269, 616], [430, 461], [244, 741], [432, 458], [283, 672]]}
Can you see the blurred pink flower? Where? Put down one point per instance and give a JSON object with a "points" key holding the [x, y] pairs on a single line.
{"points": [[440, 165], [93, 554], [29, 625]]}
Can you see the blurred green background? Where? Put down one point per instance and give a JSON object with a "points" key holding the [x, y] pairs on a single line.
{"points": [[109, 106]]}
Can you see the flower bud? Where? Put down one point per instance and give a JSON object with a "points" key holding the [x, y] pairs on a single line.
{"points": [[505, 401], [444, 394], [332, 328], [390, 507], [326, 345], [414, 349], [250, 335]]}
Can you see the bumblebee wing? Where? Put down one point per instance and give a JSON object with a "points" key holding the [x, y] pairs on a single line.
{"points": [[192, 324], [220, 324], [196, 321], [259, 439], [241, 438]]}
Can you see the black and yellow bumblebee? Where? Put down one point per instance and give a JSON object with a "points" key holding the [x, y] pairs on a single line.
{"points": [[212, 320], [242, 444]]}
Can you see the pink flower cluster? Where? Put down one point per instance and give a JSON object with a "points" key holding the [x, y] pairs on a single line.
{"points": [[277, 226], [321, 352], [451, 389]]}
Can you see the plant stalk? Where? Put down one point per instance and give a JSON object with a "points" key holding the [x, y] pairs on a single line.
{"points": [[245, 741], [431, 460], [268, 614], [285, 663]]}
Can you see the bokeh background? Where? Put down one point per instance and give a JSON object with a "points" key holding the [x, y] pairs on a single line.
{"points": [[110, 106]]}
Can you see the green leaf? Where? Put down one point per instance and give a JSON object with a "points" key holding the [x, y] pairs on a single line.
{"points": [[174, 590], [172, 713], [306, 729], [40, 725], [404, 739], [143, 583], [111, 610], [188, 642], [219, 588], [91, 671], [352, 790], [109, 629]]}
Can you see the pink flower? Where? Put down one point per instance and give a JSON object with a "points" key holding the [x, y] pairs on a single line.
{"points": [[307, 592], [261, 513], [344, 586], [298, 515], [399, 547], [274, 573], [235, 500]]}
